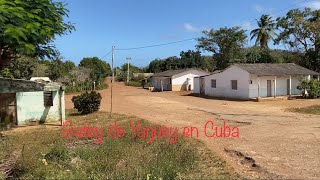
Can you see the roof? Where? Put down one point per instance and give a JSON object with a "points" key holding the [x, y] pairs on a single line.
{"points": [[171, 73], [46, 79], [20, 85], [263, 69]]}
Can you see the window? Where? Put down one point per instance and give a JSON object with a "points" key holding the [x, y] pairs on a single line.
{"points": [[250, 81], [234, 84], [213, 83], [48, 98]]}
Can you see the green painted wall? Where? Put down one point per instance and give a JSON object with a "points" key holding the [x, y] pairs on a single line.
{"points": [[30, 107]]}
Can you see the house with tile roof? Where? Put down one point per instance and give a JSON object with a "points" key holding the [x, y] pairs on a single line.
{"points": [[249, 81]]}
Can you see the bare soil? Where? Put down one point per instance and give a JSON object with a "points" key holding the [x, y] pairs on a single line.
{"points": [[274, 142]]}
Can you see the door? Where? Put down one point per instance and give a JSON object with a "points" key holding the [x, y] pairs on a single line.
{"points": [[288, 86], [268, 88], [202, 86]]}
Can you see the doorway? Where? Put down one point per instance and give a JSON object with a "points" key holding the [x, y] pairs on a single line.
{"points": [[268, 88], [202, 86]]}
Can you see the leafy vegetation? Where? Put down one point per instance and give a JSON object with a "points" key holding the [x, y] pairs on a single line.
{"points": [[265, 31], [87, 103], [125, 158], [308, 110], [29, 27], [312, 87]]}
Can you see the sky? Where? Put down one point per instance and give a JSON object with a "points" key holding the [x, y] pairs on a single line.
{"points": [[101, 24]]}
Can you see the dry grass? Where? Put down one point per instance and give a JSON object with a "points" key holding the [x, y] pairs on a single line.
{"points": [[307, 110], [46, 155]]}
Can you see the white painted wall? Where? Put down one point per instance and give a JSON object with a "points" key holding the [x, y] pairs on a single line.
{"points": [[196, 85], [223, 84], [30, 107], [181, 79], [281, 84], [178, 79]]}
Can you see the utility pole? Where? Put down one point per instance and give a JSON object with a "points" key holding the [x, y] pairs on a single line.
{"points": [[128, 70], [112, 79]]}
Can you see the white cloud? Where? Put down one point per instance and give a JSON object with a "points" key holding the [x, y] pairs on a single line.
{"points": [[313, 5], [188, 27]]}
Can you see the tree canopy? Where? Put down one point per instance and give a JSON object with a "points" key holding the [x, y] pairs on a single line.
{"points": [[265, 31], [225, 44], [99, 69], [300, 30], [28, 27]]}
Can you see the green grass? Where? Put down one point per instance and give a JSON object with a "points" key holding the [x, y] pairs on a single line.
{"points": [[134, 83], [308, 110], [46, 155]]}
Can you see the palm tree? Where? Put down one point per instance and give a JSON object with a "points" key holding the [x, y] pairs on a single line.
{"points": [[265, 31]]}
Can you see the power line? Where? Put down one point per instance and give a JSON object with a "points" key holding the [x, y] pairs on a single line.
{"points": [[156, 45], [175, 42], [106, 55]]}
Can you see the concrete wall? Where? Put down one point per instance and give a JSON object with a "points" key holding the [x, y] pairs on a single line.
{"points": [[196, 85], [281, 84], [223, 84], [30, 107]]}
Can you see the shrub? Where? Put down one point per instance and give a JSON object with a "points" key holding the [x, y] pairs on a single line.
{"points": [[134, 83], [311, 86], [87, 103]]}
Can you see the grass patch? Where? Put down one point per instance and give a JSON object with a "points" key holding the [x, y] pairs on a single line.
{"points": [[134, 83], [307, 110], [44, 154]]}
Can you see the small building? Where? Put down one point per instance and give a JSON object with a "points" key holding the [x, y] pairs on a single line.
{"points": [[23, 102], [248, 81], [176, 80]]}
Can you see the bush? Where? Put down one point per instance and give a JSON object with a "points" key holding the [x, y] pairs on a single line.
{"points": [[87, 103], [81, 87], [134, 83], [311, 86]]}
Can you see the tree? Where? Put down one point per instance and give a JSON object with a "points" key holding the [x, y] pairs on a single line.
{"points": [[225, 43], [265, 31], [300, 30], [23, 67], [99, 69], [192, 59], [28, 28]]}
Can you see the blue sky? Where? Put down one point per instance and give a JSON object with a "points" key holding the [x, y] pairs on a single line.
{"points": [[134, 23]]}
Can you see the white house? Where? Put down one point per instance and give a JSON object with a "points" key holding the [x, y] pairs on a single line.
{"points": [[176, 80], [247, 81]]}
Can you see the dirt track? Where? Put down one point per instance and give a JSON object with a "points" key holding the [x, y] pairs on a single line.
{"points": [[273, 143]]}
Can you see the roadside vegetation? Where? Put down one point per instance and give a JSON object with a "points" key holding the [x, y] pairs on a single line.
{"points": [[44, 154], [307, 110]]}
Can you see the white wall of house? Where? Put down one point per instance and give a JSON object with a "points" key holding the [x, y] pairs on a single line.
{"points": [[223, 84], [281, 86], [196, 85], [187, 77], [30, 107]]}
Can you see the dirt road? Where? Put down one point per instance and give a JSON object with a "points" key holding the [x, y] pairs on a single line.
{"points": [[273, 142]]}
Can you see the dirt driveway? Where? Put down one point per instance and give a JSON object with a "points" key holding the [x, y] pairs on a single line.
{"points": [[273, 143]]}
